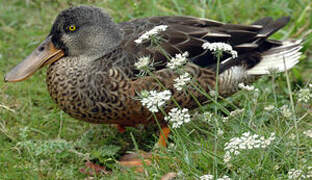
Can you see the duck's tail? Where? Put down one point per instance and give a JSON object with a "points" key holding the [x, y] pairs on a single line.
{"points": [[278, 59], [259, 56]]}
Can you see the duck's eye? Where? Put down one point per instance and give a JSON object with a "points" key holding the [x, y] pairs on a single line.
{"points": [[72, 28]]}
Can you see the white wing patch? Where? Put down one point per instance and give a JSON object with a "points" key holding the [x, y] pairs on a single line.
{"points": [[276, 58]]}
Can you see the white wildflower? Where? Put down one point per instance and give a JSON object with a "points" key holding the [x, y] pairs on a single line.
{"points": [[178, 61], [181, 81], [219, 46], [247, 141], [206, 177], [180, 173], [309, 173], [212, 93], [153, 100], [246, 87], [286, 111], [211, 177], [178, 117], [292, 136], [220, 132], [172, 146], [227, 156], [308, 133], [304, 95], [24, 132], [296, 174], [152, 32], [224, 178], [207, 116], [268, 141], [269, 108], [142, 63], [256, 93], [310, 85], [225, 119], [233, 114]]}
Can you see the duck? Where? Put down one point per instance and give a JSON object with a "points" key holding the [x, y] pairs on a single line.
{"points": [[93, 77]]}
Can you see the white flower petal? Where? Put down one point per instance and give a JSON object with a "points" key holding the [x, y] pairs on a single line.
{"points": [[178, 117], [153, 100], [152, 32]]}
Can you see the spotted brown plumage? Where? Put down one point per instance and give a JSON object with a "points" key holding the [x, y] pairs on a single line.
{"points": [[92, 76]]}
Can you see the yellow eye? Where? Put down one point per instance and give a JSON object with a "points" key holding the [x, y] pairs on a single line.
{"points": [[72, 27]]}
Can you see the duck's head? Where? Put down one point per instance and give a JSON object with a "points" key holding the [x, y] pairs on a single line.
{"points": [[82, 31]]}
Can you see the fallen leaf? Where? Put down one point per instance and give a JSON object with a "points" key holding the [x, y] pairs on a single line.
{"points": [[169, 176]]}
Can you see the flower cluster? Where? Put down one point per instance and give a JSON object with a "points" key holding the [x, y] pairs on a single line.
{"points": [[207, 116], [206, 177], [142, 63], [247, 141], [152, 32], [219, 46], [269, 108], [292, 136], [299, 174], [308, 133], [178, 117], [233, 114], [211, 177], [212, 93], [220, 132], [178, 61], [24, 132], [249, 88], [246, 87], [286, 111], [295, 174], [182, 81], [154, 100], [304, 95]]}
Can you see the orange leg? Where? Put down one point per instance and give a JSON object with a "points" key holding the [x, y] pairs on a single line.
{"points": [[163, 136], [132, 160]]}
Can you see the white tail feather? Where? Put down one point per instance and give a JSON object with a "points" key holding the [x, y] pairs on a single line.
{"points": [[276, 58]]}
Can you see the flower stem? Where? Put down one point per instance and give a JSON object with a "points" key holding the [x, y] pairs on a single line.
{"points": [[293, 110]]}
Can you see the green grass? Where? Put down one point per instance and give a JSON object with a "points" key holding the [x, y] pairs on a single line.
{"points": [[39, 141]]}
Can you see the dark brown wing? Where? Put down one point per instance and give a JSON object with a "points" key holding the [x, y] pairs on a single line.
{"points": [[189, 33]]}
